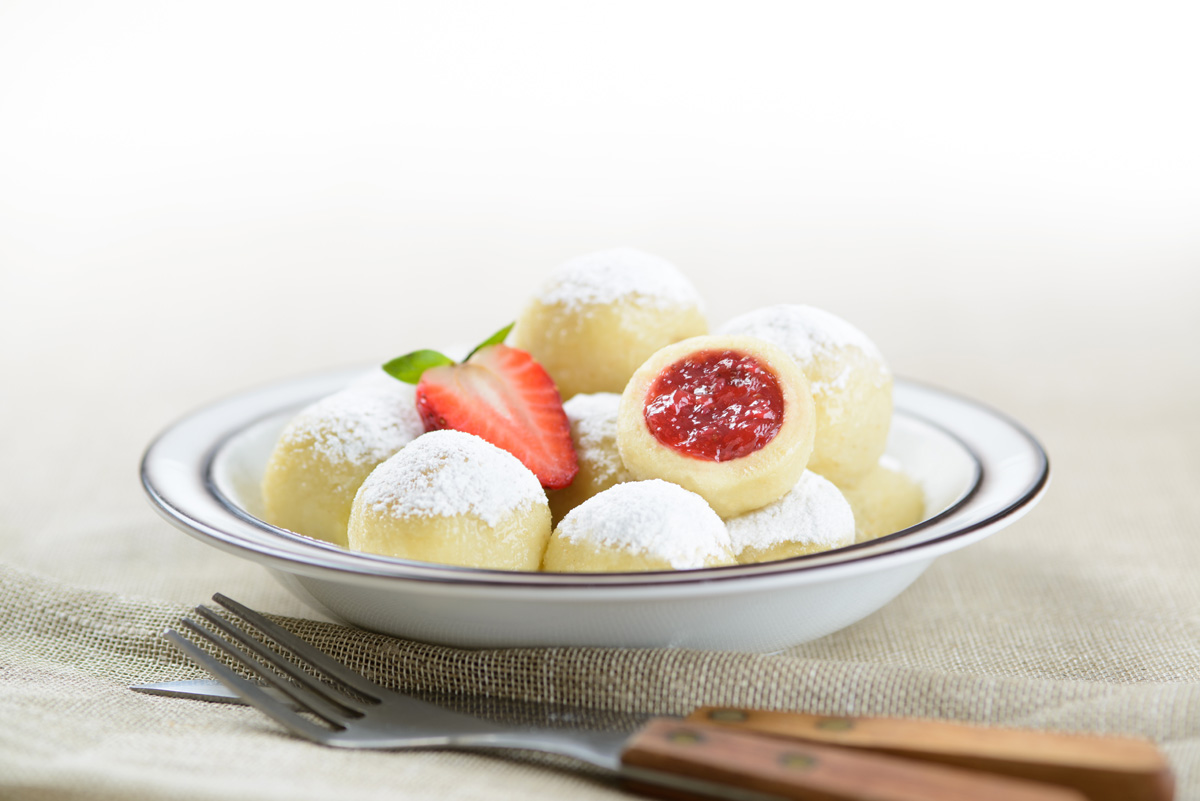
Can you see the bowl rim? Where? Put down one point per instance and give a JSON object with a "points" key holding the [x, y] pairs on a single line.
{"points": [[168, 471]]}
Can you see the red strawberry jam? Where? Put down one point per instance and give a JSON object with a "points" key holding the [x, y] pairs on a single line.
{"points": [[715, 405]]}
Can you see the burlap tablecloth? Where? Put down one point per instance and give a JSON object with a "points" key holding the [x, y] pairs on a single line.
{"points": [[1085, 615], [192, 206]]}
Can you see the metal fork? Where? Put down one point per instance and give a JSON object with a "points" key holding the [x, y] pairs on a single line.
{"points": [[690, 759], [369, 716]]}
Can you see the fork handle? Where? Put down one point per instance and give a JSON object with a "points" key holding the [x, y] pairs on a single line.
{"points": [[688, 760], [1102, 768]]}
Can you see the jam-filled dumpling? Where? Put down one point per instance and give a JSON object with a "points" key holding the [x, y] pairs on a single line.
{"points": [[453, 498], [593, 418], [812, 517], [330, 447], [729, 418], [638, 526], [601, 315], [851, 384], [885, 501]]}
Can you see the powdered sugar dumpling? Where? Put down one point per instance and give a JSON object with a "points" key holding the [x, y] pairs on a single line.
{"points": [[639, 526], [593, 418], [851, 384], [330, 447], [812, 517], [599, 316], [730, 418], [453, 498], [884, 501]]}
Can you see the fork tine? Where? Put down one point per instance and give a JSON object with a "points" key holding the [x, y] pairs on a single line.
{"points": [[306, 699], [250, 692], [319, 659], [324, 700]]}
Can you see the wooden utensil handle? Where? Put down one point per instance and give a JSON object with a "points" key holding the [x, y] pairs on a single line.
{"points": [[1102, 768], [687, 760]]}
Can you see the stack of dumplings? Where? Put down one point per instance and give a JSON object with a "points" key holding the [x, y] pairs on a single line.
{"points": [[762, 441]]}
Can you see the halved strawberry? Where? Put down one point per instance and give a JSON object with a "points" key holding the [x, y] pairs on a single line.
{"points": [[500, 394]]}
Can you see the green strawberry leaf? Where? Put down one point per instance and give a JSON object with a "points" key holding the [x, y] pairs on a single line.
{"points": [[494, 339], [409, 367]]}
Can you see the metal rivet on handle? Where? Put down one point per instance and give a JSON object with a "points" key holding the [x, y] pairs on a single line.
{"points": [[684, 737], [835, 724], [727, 715], [798, 761]]}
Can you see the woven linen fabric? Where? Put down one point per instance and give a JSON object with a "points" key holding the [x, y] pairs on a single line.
{"points": [[73, 728], [1082, 616]]}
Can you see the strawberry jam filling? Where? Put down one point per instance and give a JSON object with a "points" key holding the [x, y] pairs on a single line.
{"points": [[715, 405]]}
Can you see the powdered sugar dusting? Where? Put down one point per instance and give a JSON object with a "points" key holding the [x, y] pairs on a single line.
{"points": [[652, 518], [619, 274], [362, 425], [813, 512], [806, 333], [447, 473], [593, 418]]}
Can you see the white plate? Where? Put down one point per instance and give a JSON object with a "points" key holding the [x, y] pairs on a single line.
{"points": [[980, 472]]}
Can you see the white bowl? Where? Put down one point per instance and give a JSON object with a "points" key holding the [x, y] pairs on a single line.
{"points": [[980, 472]]}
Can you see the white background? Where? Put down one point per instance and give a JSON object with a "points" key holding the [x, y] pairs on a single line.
{"points": [[242, 169], [199, 197]]}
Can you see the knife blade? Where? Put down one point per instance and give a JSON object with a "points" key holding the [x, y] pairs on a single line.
{"points": [[203, 690]]}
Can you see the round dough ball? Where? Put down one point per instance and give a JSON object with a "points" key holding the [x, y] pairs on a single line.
{"points": [[884, 501], [593, 418], [851, 384], [601, 315], [453, 498], [813, 517], [639, 526], [327, 450], [723, 396]]}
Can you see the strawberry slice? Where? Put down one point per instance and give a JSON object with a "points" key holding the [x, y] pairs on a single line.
{"points": [[501, 395]]}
